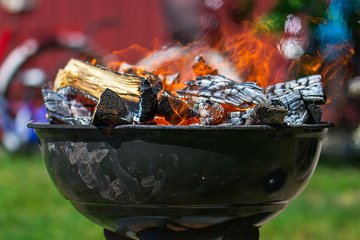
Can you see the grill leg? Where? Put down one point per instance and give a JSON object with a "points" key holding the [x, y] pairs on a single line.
{"points": [[243, 233], [147, 234], [113, 236]]}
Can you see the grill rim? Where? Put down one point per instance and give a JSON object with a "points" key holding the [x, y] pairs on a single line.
{"points": [[36, 125]]}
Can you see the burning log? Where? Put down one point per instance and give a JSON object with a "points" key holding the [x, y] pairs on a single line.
{"points": [[296, 95], [92, 94], [136, 91], [211, 113], [297, 113], [126, 68], [268, 112], [222, 90], [173, 109], [310, 89], [237, 118], [111, 110]]}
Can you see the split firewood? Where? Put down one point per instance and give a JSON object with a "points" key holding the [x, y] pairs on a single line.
{"points": [[126, 68], [174, 109], [111, 110], [224, 91], [95, 79]]}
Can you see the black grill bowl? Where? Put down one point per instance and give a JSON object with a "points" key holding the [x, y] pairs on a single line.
{"points": [[135, 177]]}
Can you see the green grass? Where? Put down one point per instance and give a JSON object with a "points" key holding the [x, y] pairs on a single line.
{"points": [[329, 208], [31, 207]]}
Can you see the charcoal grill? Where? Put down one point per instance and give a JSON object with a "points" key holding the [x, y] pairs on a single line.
{"points": [[181, 178]]}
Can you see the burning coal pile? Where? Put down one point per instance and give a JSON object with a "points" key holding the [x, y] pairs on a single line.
{"points": [[88, 94]]}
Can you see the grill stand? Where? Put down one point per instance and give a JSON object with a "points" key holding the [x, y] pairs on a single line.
{"points": [[229, 230]]}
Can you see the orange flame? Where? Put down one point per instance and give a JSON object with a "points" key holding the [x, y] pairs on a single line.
{"points": [[334, 65], [201, 68], [255, 55], [247, 54]]}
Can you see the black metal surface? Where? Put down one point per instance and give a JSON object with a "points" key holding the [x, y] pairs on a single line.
{"points": [[230, 230], [137, 177]]}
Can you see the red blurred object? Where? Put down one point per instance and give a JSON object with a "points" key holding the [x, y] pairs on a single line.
{"points": [[40, 41], [107, 26], [5, 38]]}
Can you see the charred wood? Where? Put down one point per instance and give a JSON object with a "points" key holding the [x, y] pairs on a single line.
{"points": [[60, 110], [297, 95], [148, 104], [173, 109], [211, 113], [315, 114], [237, 118], [111, 110], [297, 117], [81, 97], [95, 79], [297, 112], [222, 90], [310, 89], [268, 112]]}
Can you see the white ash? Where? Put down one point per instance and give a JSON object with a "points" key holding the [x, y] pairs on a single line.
{"points": [[211, 113], [222, 90], [310, 89], [268, 112], [296, 94], [239, 118]]}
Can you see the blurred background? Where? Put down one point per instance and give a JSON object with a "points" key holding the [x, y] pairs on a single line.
{"points": [[38, 37]]}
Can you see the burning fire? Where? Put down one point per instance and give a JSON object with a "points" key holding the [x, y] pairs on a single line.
{"points": [[246, 54], [249, 53], [235, 70]]}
